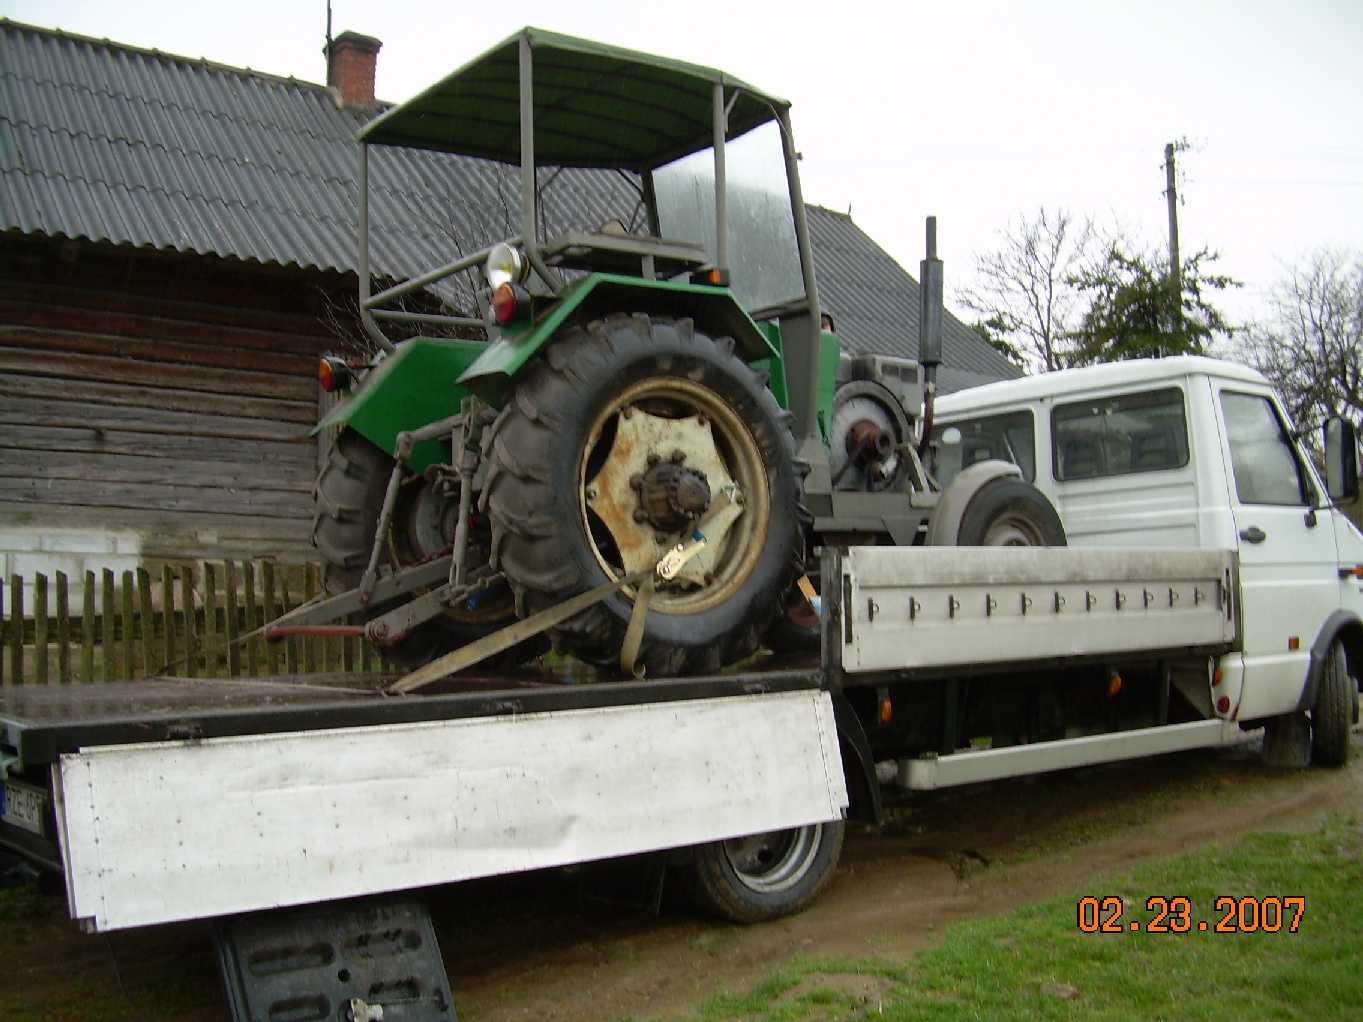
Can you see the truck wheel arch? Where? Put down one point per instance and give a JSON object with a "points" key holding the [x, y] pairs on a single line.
{"points": [[1348, 630]]}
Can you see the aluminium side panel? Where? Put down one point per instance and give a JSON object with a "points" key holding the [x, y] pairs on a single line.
{"points": [[933, 607], [178, 830]]}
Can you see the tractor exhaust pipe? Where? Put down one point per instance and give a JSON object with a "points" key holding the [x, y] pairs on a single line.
{"points": [[930, 312]]}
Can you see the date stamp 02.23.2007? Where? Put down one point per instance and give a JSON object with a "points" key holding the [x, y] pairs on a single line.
{"points": [[1112, 914]]}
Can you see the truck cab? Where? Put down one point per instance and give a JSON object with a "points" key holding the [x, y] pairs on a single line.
{"points": [[1186, 452]]}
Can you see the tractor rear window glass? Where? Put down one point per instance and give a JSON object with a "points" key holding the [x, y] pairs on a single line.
{"points": [[1010, 437], [1113, 436]]}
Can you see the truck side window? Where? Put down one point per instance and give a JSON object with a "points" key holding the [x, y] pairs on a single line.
{"points": [[1008, 437], [1113, 436], [1263, 461]]}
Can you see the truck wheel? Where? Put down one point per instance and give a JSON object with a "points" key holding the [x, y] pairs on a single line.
{"points": [[751, 879], [349, 498], [1332, 712], [608, 451], [1010, 512]]}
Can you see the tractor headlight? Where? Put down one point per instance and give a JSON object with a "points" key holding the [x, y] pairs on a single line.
{"points": [[505, 265]]}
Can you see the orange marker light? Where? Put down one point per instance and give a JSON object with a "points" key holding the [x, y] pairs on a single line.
{"points": [[333, 374], [1114, 684], [1294, 642], [886, 710]]}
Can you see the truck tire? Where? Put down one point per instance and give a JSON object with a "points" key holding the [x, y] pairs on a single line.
{"points": [[752, 879], [349, 498], [1010, 512], [564, 520], [1332, 712]]}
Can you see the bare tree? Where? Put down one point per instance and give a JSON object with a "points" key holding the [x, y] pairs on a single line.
{"points": [[1311, 343], [1025, 294]]}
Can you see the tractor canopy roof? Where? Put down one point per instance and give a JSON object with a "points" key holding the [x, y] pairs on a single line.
{"points": [[594, 106]]}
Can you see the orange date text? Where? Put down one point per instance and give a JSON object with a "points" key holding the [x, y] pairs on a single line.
{"points": [[1270, 914]]}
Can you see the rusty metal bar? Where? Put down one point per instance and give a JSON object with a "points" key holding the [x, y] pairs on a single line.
{"points": [[274, 634]]}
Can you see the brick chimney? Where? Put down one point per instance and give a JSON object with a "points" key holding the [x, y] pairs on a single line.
{"points": [[350, 67]]}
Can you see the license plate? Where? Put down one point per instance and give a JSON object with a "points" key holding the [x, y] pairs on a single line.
{"points": [[23, 805]]}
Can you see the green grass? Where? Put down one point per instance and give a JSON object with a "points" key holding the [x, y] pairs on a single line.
{"points": [[1035, 963]]}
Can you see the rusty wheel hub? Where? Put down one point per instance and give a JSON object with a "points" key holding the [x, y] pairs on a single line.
{"points": [[672, 497]]}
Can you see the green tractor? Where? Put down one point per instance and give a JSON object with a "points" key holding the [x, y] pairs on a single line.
{"points": [[637, 439]]}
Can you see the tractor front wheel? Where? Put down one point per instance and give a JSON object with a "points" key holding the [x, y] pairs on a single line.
{"points": [[349, 498]]}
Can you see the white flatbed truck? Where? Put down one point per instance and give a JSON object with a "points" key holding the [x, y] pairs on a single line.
{"points": [[1189, 608]]}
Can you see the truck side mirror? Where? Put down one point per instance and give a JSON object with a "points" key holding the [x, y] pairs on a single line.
{"points": [[1341, 459]]}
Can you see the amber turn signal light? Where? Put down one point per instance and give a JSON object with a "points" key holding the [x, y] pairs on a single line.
{"points": [[333, 374]]}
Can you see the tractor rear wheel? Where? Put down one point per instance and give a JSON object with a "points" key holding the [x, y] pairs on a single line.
{"points": [[610, 450], [349, 498]]}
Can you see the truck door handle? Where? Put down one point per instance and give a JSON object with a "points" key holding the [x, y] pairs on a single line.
{"points": [[1253, 534]]}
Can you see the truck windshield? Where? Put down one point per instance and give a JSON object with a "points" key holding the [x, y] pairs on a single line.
{"points": [[764, 262]]}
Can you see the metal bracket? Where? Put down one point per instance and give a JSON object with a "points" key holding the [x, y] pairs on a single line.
{"points": [[467, 656]]}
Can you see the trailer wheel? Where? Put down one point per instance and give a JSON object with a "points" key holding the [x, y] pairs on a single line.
{"points": [[1010, 512], [751, 879], [349, 498], [609, 450], [1332, 712]]}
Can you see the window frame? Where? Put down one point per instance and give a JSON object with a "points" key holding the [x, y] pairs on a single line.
{"points": [[986, 416], [1172, 388], [1306, 482]]}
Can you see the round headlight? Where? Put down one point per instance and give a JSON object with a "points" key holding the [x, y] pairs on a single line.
{"points": [[504, 265]]}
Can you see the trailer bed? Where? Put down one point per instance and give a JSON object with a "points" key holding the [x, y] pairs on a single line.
{"points": [[38, 723]]}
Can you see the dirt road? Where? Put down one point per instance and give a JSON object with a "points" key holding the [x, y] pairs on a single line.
{"points": [[534, 947]]}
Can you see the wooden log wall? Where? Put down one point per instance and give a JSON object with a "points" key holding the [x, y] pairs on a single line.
{"points": [[164, 396]]}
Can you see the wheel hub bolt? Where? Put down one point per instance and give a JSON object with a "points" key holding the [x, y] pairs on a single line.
{"points": [[653, 458], [636, 481], [640, 515], [591, 492], [678, 457]]}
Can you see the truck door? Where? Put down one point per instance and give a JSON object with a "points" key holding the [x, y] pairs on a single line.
{"points": [[1288, 559]]}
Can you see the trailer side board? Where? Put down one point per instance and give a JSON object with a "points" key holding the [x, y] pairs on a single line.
{"points": [[166, 831]]}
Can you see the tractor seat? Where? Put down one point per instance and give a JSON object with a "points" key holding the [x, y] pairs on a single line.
{"points": [[631, 254]]}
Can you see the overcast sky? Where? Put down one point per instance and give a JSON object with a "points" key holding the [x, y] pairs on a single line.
{"points": [[974, 111]]}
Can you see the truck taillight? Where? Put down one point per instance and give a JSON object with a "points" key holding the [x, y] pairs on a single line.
{"points": [[333, 374]]}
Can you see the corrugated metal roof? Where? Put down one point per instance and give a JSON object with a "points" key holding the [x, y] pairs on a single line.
{"points": [[874, 304], [112, 143]]}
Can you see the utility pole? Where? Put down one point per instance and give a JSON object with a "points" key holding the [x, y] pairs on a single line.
{"points": [[1175, 267]]}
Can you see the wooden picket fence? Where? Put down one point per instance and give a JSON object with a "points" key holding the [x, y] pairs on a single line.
{"points": [[182, 624]]}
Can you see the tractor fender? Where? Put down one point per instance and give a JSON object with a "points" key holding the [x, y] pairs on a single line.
{"points": [[714, 310], [946, 517], [858, 762], [1347, 628], [411, 387]]}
